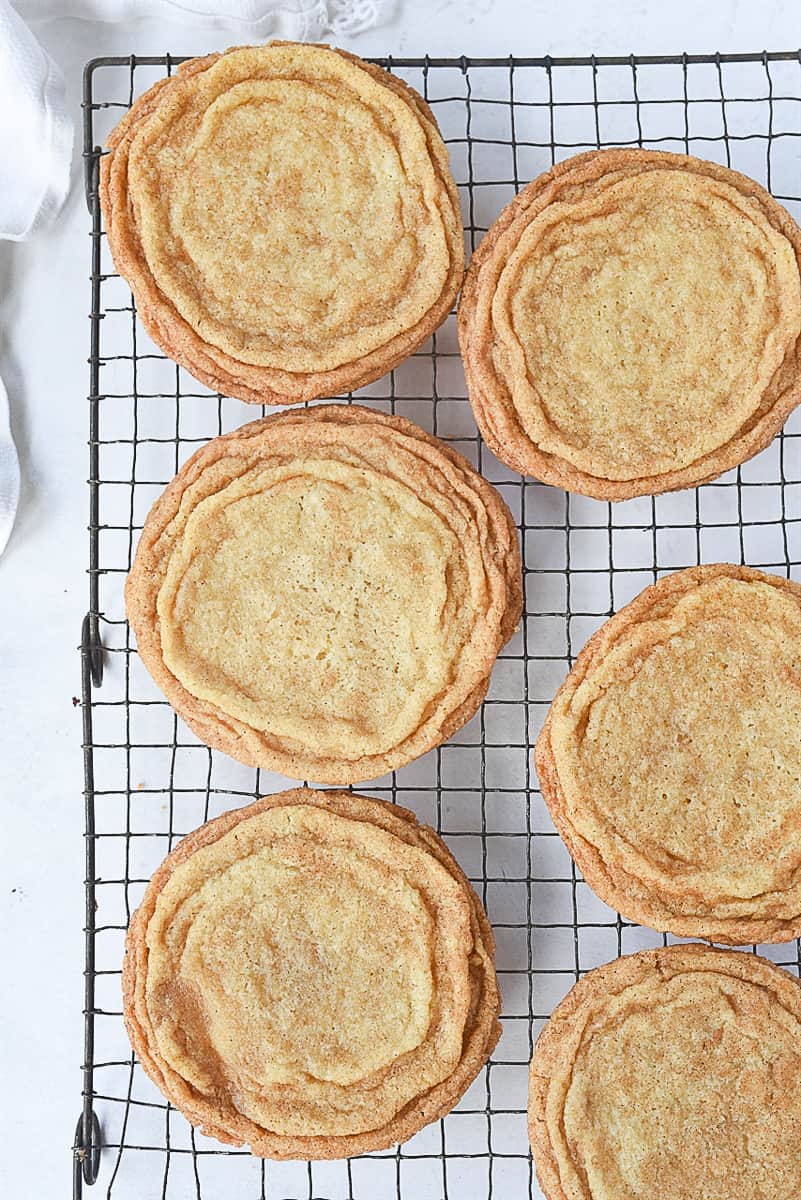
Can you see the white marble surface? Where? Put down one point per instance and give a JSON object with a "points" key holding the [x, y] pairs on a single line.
{"points": [[44, 299]]}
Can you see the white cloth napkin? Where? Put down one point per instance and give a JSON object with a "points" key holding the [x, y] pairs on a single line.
{"points": [[35, 152], [36, 129], [9, 473], [301, 19], [35, 133]]}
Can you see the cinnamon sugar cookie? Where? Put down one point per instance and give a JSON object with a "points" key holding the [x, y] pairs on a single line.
{"points": [[311, 975], [673, 1074], [286, 218], [671, 757], [631, 324], [324, 592]]}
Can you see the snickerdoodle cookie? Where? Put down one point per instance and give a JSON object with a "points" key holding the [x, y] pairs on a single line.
{"points": [[286, 218], [671, 757], [631, 324], [311, 975], [324, 592], [673, 1074]]}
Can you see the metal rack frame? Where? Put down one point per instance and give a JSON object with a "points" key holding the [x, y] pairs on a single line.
{"points": [[562, 536]]}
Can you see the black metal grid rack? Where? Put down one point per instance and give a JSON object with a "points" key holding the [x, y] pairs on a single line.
{"points": [[148, 780]]}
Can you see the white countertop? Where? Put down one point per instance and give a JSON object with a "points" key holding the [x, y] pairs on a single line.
{"points": [[44, 301]]}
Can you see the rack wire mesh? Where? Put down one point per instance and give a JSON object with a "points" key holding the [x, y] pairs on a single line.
{"points": [[149, 780]]}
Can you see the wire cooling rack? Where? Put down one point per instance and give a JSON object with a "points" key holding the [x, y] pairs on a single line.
{"points": [[149, 780]]}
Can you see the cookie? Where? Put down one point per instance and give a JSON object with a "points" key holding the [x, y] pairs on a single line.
{"points": [[671, 1073], [670, 758], [286, 218], [324, 592], [631, 324], [311, 975]]}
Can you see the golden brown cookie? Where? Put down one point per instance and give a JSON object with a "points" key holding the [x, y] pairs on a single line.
{"points": [[631, 324], [324, 592], [311, 975], [286, 218], [671, 757], [672, 1074]]}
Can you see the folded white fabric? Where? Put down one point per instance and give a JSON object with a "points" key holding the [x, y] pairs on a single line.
{"points": [[36, 131], [301, 19], [9, 473], [35, 152]]}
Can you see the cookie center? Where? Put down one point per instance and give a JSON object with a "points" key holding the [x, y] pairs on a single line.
{"points": [[309, 964], [321, 602]]}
